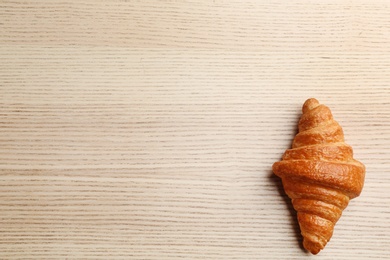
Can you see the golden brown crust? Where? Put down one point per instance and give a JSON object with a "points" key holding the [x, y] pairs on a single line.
{"points": [[319, 174]]}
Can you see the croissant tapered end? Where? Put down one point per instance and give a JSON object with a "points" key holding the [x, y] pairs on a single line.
{"points": [[310, 104], [319, 174]]}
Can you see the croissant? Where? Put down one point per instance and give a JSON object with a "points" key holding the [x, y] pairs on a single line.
{"points": [[319, 174]]}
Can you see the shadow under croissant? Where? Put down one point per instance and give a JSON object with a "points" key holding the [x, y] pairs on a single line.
{"points": [[293, 214]]}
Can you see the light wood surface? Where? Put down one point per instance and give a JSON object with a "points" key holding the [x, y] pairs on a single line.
{"points": [[147, 129]]}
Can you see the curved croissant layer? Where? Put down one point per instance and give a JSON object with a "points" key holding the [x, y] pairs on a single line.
{"points": [[319, 174]]}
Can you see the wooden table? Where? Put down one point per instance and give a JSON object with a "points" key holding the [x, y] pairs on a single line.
{"points": [[147, 129]]}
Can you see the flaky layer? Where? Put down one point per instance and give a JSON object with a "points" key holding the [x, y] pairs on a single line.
{"points": [[347, 177]]}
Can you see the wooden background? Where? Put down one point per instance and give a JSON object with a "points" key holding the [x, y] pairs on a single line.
{"points": [[147, 129]]}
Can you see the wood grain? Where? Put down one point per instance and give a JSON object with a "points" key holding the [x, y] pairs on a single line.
{"points": [[147, 129]]}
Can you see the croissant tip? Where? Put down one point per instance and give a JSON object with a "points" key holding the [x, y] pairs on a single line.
{"points": [[310, 104], [315, 252], [313, 248]]}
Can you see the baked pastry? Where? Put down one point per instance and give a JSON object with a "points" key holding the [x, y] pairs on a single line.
{"points": [[319, 174]]}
